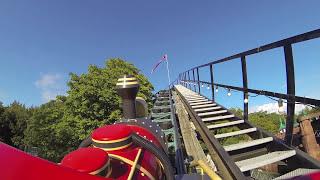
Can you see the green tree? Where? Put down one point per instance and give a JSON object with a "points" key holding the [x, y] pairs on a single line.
{"points": [[17, 114], [13, 122], [267, 121], [93, 96], [237, 112], [5, 131], [55, 133], [40, 131]]}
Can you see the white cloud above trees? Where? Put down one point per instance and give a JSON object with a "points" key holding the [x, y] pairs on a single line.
{"points": [[50, 85], [273, 108]]}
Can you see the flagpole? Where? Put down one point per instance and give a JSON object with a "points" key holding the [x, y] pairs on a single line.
{"points": [[164, 58], [168, 72]]}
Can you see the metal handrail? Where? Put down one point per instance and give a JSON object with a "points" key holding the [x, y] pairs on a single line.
{"points": [[297, 99], [290, 96]]}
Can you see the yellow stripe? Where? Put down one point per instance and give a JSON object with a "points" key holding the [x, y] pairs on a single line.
{"points": [[128, 161], [113, 149], [159, 163], [112, 141], [127, 79], [208, 170], [127, 83], [109, 172], [135, 163], [101, 169]]}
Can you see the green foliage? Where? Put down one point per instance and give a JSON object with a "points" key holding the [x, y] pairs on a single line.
{"points": [[237, 112], [40, 131], [231, 140], [17, 114], [5, 132], [93, 95], [54, 132], [307, 111], [267, 121], [13, 122], [235, 140]]}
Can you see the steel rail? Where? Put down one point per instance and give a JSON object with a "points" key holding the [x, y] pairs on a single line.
{"points": [[179, 154]]}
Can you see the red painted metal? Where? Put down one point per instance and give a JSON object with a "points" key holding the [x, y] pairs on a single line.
{"points": [[111, 132], [86, 160], [123, 158], [16, 164], [315, 176], [312, 176], [78, 164], [147, 161]]}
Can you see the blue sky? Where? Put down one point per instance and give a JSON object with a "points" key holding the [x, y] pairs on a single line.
{"points": [[42, 41]]}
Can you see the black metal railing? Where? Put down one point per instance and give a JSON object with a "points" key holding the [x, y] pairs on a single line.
{"points": [[185, 79]]}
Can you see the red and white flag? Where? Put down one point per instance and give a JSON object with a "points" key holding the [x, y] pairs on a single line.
{"points": [[163, 58]]}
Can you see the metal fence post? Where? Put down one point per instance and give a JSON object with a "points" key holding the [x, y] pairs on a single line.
{"points": [[198, 80], [189, 79], [290, 91], [245, 86], [211, 77], [194, 85], [184, 78]]}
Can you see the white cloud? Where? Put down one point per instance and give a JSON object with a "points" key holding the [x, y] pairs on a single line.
{"points": [[2, 95], [273, 108], [269, 107], [48, 80], [50, 85]]}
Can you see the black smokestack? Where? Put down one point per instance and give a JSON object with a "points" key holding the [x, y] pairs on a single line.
{"points": [[127, 88]]}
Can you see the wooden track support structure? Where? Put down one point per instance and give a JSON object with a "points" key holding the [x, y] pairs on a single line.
{"points": [[191, 142]]}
